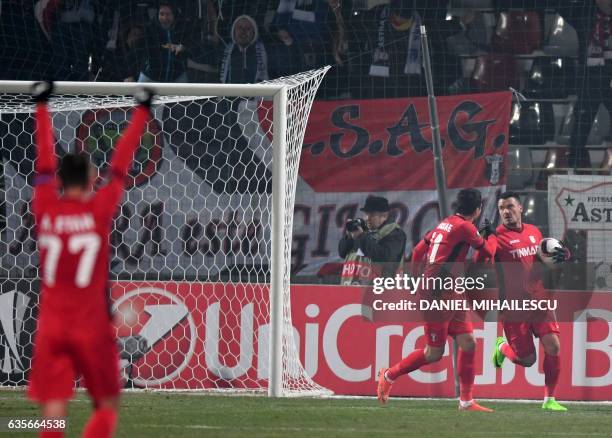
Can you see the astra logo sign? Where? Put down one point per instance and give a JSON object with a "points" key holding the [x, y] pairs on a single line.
{"points": [[385, 145], [583, 204]]}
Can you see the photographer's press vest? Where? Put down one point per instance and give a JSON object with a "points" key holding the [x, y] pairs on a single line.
{"points": [[359, 269]]}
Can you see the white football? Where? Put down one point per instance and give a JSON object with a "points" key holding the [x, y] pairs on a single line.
{"points": [[546, 249]]}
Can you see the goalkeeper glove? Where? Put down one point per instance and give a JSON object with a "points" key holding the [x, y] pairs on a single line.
{"points": [[561, 254], [144, 96], [486, 229], [41, 91]]}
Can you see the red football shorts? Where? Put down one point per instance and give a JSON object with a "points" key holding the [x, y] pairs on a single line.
{"points": [[437, 331], [60, 355], [441, 323], [520, 333]]}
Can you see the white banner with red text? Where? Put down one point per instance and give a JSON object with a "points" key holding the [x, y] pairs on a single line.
{"points": [[580, 213]]}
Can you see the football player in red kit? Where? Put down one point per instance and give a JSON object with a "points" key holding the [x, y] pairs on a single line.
{"points": [[519, 277], [442, 253], [75, 334]]}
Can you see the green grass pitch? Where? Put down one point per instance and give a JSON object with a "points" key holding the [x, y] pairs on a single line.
{"points": [[195, 415]]}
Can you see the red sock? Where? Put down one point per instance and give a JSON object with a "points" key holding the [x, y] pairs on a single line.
{"points": [[51, 434], [465, 369], [507, 351], [101, 424], [552, 369], [413, 361]]}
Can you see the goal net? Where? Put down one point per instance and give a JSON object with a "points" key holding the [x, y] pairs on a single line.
{"points": [[201, 245]]}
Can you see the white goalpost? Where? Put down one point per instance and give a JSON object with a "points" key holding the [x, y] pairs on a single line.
{"points": [[205, 227]]}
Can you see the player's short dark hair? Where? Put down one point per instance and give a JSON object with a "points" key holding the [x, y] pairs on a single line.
{"points": [[468, 201], [74, 170], [510, 194], [169, 5]]}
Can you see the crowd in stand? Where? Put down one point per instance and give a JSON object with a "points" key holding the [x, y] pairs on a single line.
{"points": [[373, 44]]}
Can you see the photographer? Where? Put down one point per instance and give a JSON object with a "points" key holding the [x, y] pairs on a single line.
{"points": [[372, 246]]}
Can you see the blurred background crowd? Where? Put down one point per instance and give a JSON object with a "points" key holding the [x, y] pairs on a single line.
{"points": [[477, 45]]}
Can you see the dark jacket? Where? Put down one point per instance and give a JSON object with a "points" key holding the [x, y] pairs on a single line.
{"points": [[159, 64], [388, 250], [120, 64], [284, 60], [242, 67]]}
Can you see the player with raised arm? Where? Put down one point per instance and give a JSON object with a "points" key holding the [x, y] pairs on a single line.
{"points": [[442, 253], [75, 335], [519, 277]]}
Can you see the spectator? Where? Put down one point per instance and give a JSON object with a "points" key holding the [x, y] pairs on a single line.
{"points": [[121, 60], [203, 61], [166, 46], [310, 23], [471, 36], [373, 246], [446, 66], [286, 56], [339, 43], [592, 20], [73, 30], [308, 19], [390, 49], [336, 83], [245, 59], [25, 50], [317, 30], [226, 12]]}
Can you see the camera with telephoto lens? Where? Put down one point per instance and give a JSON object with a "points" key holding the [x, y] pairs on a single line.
{"points": [[354, 224]]}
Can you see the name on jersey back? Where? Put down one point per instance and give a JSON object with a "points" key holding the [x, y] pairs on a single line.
{"points": [[75, 223]]}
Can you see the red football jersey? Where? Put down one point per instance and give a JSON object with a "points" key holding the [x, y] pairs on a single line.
{"points": [[518, 272], [73, 235], [450, 241]]}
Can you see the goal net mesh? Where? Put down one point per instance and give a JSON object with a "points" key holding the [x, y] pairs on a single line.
{"points": [[191, 243]]}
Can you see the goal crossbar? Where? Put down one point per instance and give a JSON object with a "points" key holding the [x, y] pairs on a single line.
{"points": [[129, 88]]}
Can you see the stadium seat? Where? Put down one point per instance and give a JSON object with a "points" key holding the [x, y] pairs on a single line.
{"points": [[494, 71], [600, 130], [601, 127], [517, 32], [535, 210], [606, 164], [565, 130], [562, 39], [532, 123], [551, 78], [520, 167], [555, 163]]}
